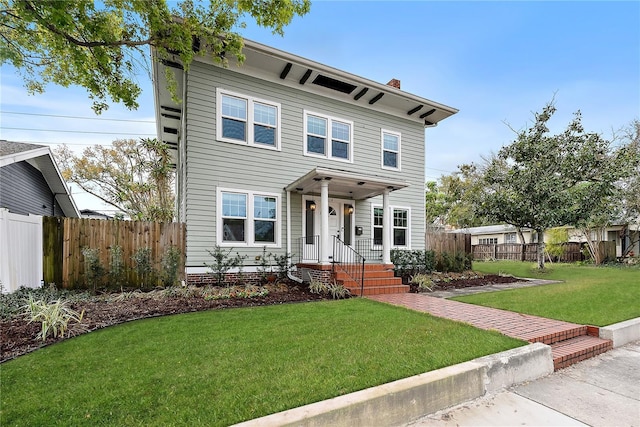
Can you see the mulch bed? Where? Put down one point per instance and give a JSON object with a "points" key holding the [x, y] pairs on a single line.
{"points": [[19, 337]]}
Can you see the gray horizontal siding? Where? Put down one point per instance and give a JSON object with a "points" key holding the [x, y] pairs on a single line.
{"points": [[213, 163], [23, 190]]}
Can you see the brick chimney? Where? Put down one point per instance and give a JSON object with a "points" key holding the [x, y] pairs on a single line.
{"points": [[394, 83]]}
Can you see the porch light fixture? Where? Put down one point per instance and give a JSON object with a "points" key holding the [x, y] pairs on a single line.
{"points": [[312, 205], [349, 209]]}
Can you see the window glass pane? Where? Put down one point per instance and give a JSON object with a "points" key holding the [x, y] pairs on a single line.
{"points": [[340, 131], [264, 135], [234, 107], [377, 236], [399, 237], [377, 216], [234, 129], [315, 144], [390, 159], [264, 207], [265, 114], [316, 126], [390, 142], [234, 204], [265, 231], [233, 230], [340, 149], [399, 218]]}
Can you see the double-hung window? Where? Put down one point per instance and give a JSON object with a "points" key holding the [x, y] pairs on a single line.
{"points": [[248, 218], [243, 119], [328, 137], [401, 230], [390, 150]]}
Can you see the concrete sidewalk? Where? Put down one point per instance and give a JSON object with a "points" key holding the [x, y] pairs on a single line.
{"points": [[602, 391]]}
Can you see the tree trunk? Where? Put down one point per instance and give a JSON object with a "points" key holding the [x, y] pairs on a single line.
{"points": [[523, 243], [540, 249]]}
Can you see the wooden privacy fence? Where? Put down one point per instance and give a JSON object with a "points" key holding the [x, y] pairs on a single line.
{"points": [[572, 252], [451, 243], [65, 238]]}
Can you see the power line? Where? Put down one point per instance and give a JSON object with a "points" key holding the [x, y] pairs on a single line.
{"points": [[78, 117], [81, 131]]}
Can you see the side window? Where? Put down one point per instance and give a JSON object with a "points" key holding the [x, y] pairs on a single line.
{"points": [[390, 150], [328, 137], [243, 119], [248, 218], [401, 226]]}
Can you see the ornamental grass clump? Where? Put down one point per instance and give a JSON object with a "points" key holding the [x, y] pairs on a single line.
{"points": [[54, 316]]}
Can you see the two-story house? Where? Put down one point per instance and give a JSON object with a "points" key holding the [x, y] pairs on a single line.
{"points": [[289, 154]]}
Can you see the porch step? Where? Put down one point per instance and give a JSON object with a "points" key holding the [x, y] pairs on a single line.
{"points": [[368, 274], [574, 350]]}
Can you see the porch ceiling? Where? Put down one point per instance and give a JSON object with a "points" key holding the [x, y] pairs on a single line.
{"points": [[347, 184]]}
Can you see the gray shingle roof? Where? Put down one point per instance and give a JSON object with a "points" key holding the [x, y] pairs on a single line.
{"points": [[8, 148]]}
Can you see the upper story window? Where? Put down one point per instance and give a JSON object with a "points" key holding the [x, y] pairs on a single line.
{"points": [[248, 218], [390, 149], [328, 137], [247, 120]]}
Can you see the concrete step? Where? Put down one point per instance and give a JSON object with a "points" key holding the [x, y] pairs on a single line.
{"points": [[379, 290], [567, 352]]}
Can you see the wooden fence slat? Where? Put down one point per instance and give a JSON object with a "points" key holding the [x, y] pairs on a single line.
{"points": [[66, 237]]}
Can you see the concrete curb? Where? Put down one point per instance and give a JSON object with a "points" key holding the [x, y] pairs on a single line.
{"points": [[622, 333], [410, 398]]}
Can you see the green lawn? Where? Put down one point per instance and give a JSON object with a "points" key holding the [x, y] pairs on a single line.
{"points": [[598, 296], [222, 367]]}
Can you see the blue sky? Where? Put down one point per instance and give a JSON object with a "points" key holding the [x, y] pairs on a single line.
{"points": [[497, 62]]}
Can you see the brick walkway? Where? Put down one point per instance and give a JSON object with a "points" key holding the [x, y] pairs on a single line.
{"points": [[516, 325]]}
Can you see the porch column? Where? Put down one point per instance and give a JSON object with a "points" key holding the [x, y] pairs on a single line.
{"points": [[386, 228], [324, 222]]}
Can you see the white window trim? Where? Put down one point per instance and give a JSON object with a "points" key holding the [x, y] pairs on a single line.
{"points": [[391, 208], [382, 149], [329, 146], [250, 120], [249, 228]]}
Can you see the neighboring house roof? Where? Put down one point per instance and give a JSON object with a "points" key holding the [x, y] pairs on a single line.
{"points": [[290, 70], [90, 213], [489, 229], [40, 157]]}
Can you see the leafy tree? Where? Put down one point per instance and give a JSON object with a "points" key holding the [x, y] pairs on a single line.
{"points": [[135, 177], [451, 201], [102, 46], [542, 181]]}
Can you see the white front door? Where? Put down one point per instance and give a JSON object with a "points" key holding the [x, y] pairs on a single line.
{"points": [[335, 221]]}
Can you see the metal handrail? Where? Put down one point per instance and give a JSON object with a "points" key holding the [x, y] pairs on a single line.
{"points": [[309, 248], [349, 261], [371, 251]]}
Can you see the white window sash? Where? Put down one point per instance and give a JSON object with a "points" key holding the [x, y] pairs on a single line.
{"points": [[250, 121], [398, 135], [249, 231], [393, 227], [328, 137]]}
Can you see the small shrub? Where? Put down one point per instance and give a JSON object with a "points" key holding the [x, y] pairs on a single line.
{"points": [[338, 291], [264, 268], [223, 261], [423, 282], [54, 317], [116, 266], [283, 265], [143, 265], [170, 266], [93, 269], [317, 287]]}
